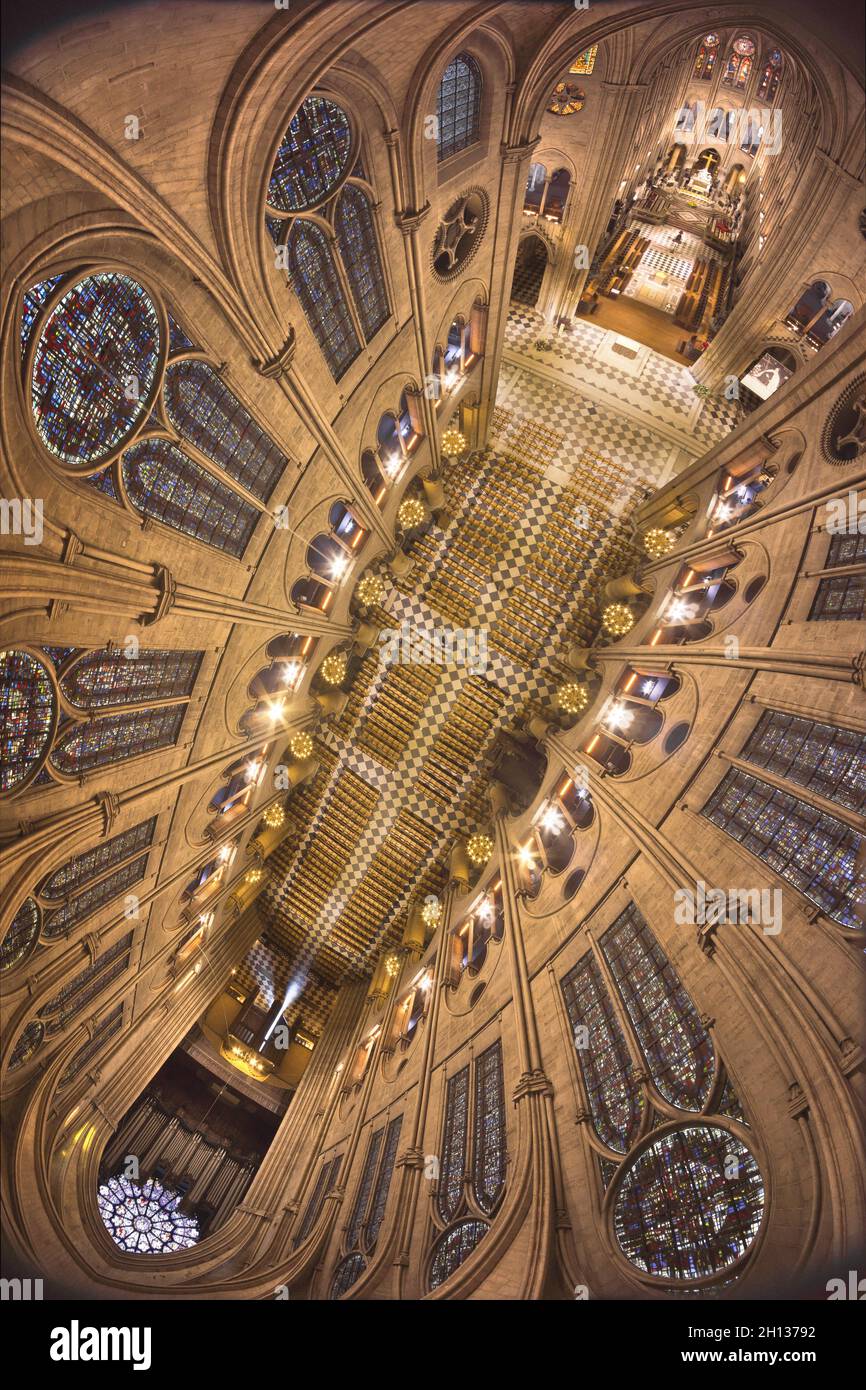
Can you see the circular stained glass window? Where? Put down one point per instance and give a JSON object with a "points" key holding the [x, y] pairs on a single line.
{"points": [[21, 935], [566, 99], [95, 368], [452, 1248], [26, 715], [690, 1205], [312, 157], [711, 40], [143, 1218], [744, 47]]}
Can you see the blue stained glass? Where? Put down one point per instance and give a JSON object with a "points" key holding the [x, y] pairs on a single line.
{"points": [[454, 1145], [21, 936], [165, 483], [32, 305], [383, 1183], [29, 1041], [317, 285], [26, 715], [312, 156], [831, 761], [58, 654], [145, 1218], [328, 1174], [676, 1044], [59, 922], [117, 737], [107, 1028], [458, 106], [818, 854], [690, 1205], [365, 1187], [113, 678], [347, 1273], [177, 339], [615, 1098], [95, 367], [357, 241], [88, 983], [489, 1147], [452, 1248], [104, 483], [77, 872], [203, 409]]}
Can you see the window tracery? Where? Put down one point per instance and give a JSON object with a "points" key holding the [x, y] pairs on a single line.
{"points": [[368, 1210], [100, 373], [841, 597], [337, 276], [145, 1218], [458, 106], [685, 1200]]}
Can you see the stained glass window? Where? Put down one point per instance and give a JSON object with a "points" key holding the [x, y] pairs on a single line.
{"points": [[690, 1205], [356, 238], [145, 1218], [58, 922], [585, 61], [739, 64], [178, 340], [203, 409], [317, 285], [828, 760], [347, 1273], [676, 1044], [365, 1187], [489, 1147], [26, 715], [165, 483], [842, 597], [769, 83], [32, 305], [809, 849], [113, 678], [327, 1178], [452, 1248], [615, 1098], [454, 1144], [29, 1041], [77, 872], [101, 742], [21, 936], [312, 156], [95, 367], [88, 983], [706, 59], [383, 1183], [458, 106], [104, 1030]]}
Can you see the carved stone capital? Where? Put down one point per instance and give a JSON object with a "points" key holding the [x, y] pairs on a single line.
{"points": [[409, 220], [281, 361], [167, 591]]}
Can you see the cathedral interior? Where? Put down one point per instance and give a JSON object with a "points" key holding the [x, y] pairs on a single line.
{"points": [[386, 387]]}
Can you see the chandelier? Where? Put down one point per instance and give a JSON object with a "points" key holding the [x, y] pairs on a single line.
{"points": [[302, 745], [411, 513], [617, 619], [334, 668], [657, 543], [274, 816], [370, 589], [453, 443], [479, 848], [573, 697]]}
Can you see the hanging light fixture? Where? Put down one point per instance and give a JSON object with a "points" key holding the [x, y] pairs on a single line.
{"points": [[479, 848], [453, 443], [411, 513], [334, 668], [274, 817], [657, 543], [302, 746], [573, 697], [370, 589], [617, 619]]}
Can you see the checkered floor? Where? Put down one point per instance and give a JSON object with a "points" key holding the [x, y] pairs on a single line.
{"points": [[565, 440], [664, 392]]}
